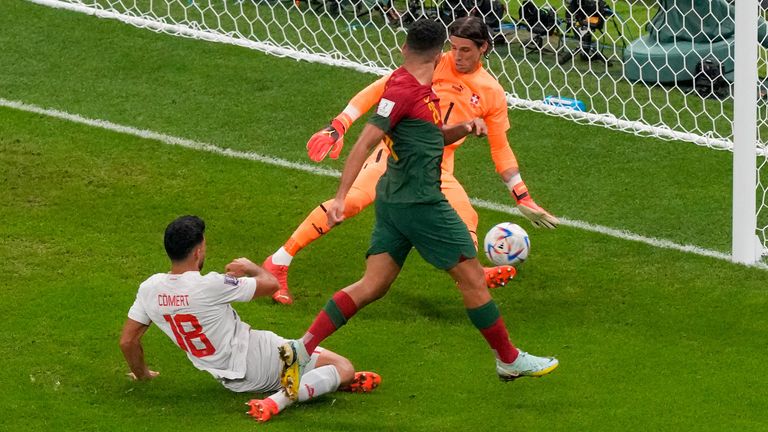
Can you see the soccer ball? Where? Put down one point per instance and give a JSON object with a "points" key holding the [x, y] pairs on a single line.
{"points": [[507, 244]]}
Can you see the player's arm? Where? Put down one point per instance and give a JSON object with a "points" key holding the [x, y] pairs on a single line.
{"points": [[369, 137], [330, 140], [130, 344], [507, 167], [453, 133], [363, 101], [266, 283]]}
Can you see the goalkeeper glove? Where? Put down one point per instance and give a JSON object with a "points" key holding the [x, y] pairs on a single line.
{"points": [[532, 211], [327, 142]]}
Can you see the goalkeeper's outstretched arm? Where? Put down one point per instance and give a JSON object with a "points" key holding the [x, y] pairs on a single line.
{"points": [[330, 140], [507, 167]]}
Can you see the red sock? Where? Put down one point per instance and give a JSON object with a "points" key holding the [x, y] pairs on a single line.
{"points": [[335, 314], [498, 339], [488, 320]]}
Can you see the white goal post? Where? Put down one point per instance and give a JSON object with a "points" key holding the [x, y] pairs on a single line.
{"points": [[746, 247], [672, 69]]}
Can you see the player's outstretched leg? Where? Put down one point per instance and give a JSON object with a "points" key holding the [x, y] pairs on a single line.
{"points": [[314, 226], [526, 365], [511, 362], [331, 372], [310, 229], [496, 277], [364, 382]]}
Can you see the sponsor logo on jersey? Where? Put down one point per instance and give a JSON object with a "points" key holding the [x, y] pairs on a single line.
{"points": [[231, 280], [385, 107]]}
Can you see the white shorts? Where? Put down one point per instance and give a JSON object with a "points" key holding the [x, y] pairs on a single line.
{"points": [[263, 364]]}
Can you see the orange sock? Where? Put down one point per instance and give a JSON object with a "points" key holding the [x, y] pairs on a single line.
{"points": [[316, 224], [310, 229]]}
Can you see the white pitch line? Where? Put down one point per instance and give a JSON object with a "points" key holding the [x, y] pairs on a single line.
{"points": [[613, 232], [169, 139], [327, 172]]}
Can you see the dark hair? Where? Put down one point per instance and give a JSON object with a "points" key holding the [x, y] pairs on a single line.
{"points": [[425, 35], [182, 235], [472, 28]]}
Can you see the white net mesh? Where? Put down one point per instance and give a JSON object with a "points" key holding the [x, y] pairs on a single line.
{"points": [[628, 64]]}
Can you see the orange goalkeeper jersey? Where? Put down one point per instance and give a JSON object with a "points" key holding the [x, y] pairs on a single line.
{"points": [[463, 97]]}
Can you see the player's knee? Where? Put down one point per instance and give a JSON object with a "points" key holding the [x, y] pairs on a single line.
{"points": [[343, 366], [469, 277], [345, 369], [472, 286]]}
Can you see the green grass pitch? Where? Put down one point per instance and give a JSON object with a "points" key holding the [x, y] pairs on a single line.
{"points": [[648, 339]]}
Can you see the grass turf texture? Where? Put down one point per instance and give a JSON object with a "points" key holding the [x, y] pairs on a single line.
{"points": [[244, 100], [648, 339]]}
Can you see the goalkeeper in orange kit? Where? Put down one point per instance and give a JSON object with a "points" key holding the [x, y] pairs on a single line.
{"points": [[466, 91]]}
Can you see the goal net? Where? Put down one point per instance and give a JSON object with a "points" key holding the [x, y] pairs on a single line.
{"points": [[654, 68]]}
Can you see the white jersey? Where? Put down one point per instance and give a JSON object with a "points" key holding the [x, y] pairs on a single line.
{"points": [[195, 312]]}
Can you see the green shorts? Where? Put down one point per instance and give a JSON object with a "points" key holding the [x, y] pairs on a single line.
{"points": [[435, 230]]}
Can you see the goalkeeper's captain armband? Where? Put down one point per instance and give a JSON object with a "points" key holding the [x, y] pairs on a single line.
{"points": [[330, 140]]}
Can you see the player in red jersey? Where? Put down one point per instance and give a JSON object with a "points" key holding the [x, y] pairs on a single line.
{"points": [[466, 91], [412, 212]]}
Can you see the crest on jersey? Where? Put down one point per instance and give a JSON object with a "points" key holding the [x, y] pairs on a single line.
{"points": [[231, 280], [385, 107], [475, 99]]}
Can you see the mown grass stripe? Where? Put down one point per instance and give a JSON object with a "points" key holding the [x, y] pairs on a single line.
{"points": [[326, 172]]}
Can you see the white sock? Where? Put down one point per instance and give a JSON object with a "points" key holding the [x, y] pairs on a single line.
{"points": [[281, 400], [282, 257], [314, 383], [318, 382]]}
